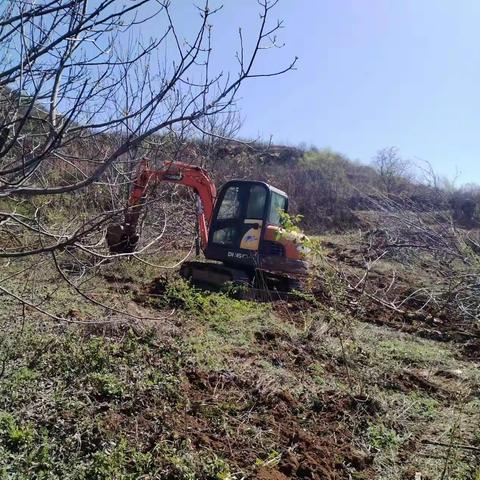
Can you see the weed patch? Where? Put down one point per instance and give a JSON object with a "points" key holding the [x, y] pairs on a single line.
{"points": [[414, 352]]}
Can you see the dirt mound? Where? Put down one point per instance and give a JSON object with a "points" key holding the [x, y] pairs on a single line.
{"points": [[266, 473]]}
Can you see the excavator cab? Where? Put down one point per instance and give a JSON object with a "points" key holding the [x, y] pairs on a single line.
{"points": [[239, 217], [246, 228]]}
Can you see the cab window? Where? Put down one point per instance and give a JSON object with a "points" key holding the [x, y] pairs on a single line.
{"points": [[278, 205], [256, 202], [230, 207], [226, 236]]}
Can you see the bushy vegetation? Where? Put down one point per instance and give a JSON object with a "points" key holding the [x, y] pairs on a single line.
{"points": [[330, 190]]}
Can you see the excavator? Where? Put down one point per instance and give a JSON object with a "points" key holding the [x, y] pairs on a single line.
{"points": [[239, 229]]}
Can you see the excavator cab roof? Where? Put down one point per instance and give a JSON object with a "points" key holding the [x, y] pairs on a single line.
{"points": [[268, 186]]}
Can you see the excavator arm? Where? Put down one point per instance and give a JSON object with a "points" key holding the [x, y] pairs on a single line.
{"points": [[123, 238]]}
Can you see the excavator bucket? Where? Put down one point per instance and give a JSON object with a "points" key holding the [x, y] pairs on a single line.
{"points": [[118, 241]]}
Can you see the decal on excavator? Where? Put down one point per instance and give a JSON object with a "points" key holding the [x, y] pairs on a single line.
{"points": [[237, 255], [251, 238]]}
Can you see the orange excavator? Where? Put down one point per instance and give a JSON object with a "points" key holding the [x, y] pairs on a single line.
{"points": [[240, 229]]}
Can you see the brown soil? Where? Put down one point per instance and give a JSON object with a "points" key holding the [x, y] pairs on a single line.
{"points": [[266, 473], [315, 438]]}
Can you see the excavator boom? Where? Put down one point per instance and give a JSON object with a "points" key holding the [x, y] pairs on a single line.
{"points": [[123, 238]]}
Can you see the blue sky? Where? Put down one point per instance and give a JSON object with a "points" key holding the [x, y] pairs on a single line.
{"points": [[371, 74]]}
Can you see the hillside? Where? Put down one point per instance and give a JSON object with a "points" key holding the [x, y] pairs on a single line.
{"points": [[328, 189], [118, 369]]}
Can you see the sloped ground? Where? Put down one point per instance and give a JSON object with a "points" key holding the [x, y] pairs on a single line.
{"points": [[206, 386]]}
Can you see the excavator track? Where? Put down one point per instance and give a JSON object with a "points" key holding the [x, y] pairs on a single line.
{"points": [[259, 285], [213, 274]]}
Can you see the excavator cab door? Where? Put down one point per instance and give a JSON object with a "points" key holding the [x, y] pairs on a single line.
{"points": [[238, 223]]}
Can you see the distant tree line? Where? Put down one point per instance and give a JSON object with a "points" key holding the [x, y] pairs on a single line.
{"points": [[329, 189]]}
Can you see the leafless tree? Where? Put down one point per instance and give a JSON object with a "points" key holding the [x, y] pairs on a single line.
{"points": [[83, 96], [391, 167]]}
